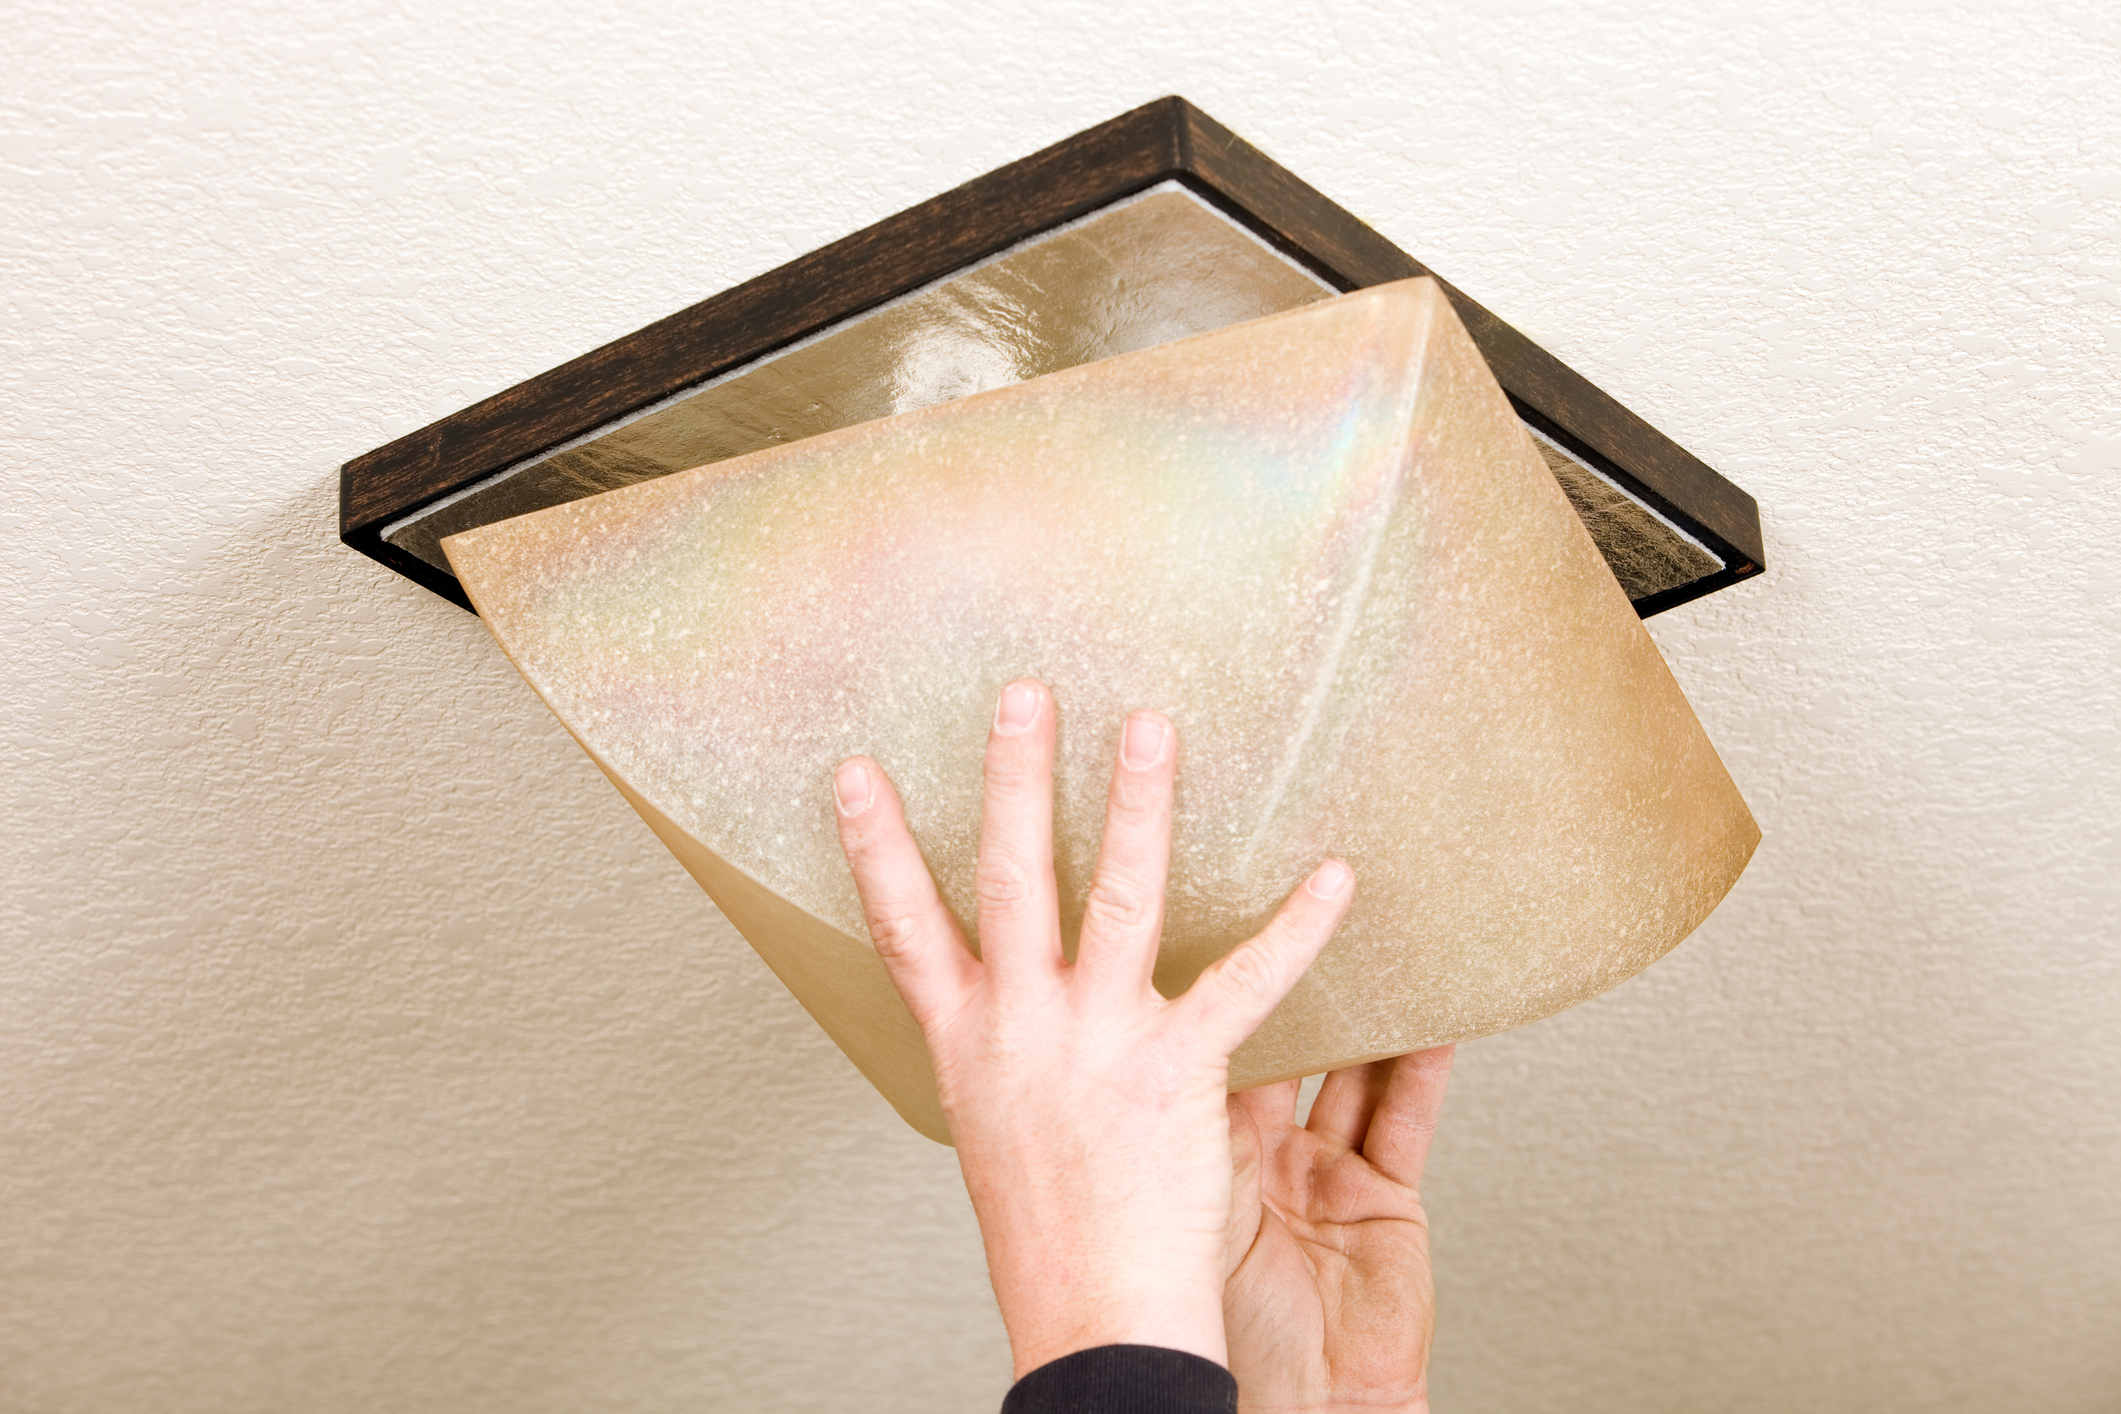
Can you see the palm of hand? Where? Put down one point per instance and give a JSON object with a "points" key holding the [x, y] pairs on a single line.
{"points": [[1329, 1303]]}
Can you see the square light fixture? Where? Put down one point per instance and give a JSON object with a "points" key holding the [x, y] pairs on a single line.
{"points": [[1151, 227]]}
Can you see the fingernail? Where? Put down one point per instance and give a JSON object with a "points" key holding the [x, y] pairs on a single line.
{"points": [[1017, 710], [852, 788], [1142, 744], [1330, 880]]}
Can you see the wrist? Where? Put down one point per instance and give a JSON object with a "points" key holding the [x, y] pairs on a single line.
{"points": [[1056, 1307], [1044, 1343], [1081, 1260]]}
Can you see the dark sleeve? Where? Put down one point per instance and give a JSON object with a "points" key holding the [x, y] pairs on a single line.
{"points": [[1125, 1379]]}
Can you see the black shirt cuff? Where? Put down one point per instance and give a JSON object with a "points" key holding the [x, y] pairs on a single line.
{"points": [[1125, 1379]]}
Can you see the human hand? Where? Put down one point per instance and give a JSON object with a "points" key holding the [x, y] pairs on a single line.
{"points": [[1330, 1304], [1088, 1112]]}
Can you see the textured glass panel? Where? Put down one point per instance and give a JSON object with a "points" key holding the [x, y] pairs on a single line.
{"points": [[1305, 538], [1157, 267], [1140, 273], [1648, 555]]}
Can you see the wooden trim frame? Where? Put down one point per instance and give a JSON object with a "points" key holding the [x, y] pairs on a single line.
{"points": [[1165, 140]]}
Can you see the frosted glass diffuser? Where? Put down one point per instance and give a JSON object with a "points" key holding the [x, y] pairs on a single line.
{"points": [[1322, 542]]}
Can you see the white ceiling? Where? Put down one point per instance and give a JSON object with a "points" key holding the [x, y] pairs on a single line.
{"points": [[363, 1051]]}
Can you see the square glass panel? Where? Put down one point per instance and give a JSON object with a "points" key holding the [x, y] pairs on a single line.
{"points": [[1161, 265]]}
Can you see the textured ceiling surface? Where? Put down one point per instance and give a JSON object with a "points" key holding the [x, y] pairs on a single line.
{"points": [[363, 1051]]}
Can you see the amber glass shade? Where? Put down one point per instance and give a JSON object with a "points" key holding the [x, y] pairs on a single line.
{"points": [[1321, 541]]}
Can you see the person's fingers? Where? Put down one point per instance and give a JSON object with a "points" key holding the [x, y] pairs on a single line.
{"points": [[1397, 1144], [1231, 998], [914, 932], [1341, 1113], [1019, 921], [1124, 913]]}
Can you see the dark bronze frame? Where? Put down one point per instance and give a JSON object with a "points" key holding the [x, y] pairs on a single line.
{"points": [[1165, 140]]}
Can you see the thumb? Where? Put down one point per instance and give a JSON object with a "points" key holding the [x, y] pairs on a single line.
{"points": [[1229, 1000]]}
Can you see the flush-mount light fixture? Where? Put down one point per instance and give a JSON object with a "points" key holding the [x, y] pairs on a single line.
{"points": [[1321, 541], [1148, 418], [1156, 225]]}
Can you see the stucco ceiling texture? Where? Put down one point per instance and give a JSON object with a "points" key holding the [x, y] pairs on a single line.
{"points": [[364, 1052]]}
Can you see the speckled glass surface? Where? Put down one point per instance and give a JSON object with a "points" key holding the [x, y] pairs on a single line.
{"points": [[1646, 552], [1321, 541], [1157, 267]]}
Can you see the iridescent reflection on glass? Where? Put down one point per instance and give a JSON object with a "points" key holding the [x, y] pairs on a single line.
{"points": [[1158, 267], [1322, 542]]}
